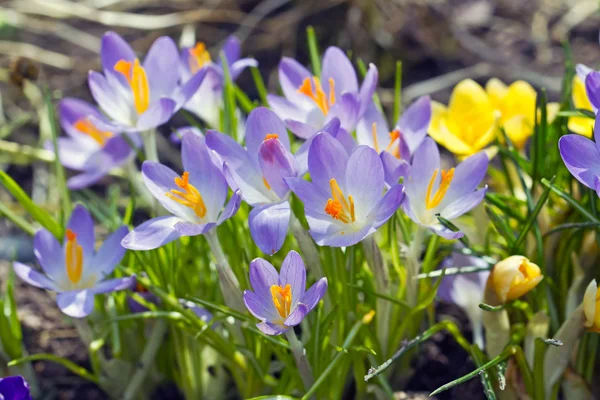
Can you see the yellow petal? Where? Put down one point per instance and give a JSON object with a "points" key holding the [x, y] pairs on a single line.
{"points": [[518, 129], [589, 304], [486, 138], [439, 112], [580, 99], [438, 130], [552, 110], [581, 125], [520, 100], [470, 112], [496, 90]]}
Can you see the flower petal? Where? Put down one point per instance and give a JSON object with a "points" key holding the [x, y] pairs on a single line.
{"points": [[414, 122], [269, 225], [260, 307], [34, 278], [394, 168], [387, 205], [300, 129], [312, 196], [262, 276], [367, 89], [262, 122], [231, 207], [157, 114], [347, 110], [592, 88], [110, 101], [84, 180], [111, 252], [193, 229], [276, 163], [271, 329], [467, 176], [314, 294], [183, 93], [114, 285], [231, 49], [463, 204], [297, 315], [364, 180], [327, 159], [152, 234], [581, 157], [364, 129], [49, 255], [291, 76], [240, 65], [338, 67], [82, 224], [76, 303], [293, 272], [326, 232], [425, 161], [72, 153], [444, 232], [162, 68], [113, 49], [287, 110]]}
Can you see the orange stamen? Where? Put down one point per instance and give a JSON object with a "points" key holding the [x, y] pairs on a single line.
{"points": [[73, 257], [138, 81], [266, 183], [271, 136], [317, 94], [374, 133], [439, 194], [84, 125], [338, 207], [394, 135], [189, 197], [199, 57], [282, 299]]}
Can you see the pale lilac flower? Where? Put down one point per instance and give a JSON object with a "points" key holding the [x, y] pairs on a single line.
{"points": [[207, 102], [279, 300], [195, 199], [140, 96], [14, 388], [310, 102], [75, 270], [345, 201], [258, 172], [582, 157], [432, 191], [90, 149]]}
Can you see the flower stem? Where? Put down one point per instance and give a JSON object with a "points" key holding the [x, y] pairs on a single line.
{"points": [[307, 246], [230, 286], [300, 357], [413, 266], [150, 150]]}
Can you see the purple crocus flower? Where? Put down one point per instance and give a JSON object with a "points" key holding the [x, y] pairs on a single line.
{"points": [[178, 134], [279, 300], [344, 203], [14, 388], [310, 102], [139, 96], [75, 270], [592, 89], [88, 148], [395, 146], [466, 291], [582, 157], [207, 102], [259, 172], [195, 198], [432, 191]]}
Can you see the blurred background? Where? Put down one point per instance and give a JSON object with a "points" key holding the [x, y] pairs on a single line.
{"points": [[56, 42]]}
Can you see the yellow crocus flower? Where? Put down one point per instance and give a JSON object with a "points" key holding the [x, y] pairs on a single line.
{"points": [[514, 105], [513, 277], [468, 123], [591, 307], [581, 125]]}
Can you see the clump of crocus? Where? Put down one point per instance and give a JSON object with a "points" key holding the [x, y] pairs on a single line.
{"points": [[14, 388], [513, 277], [258, 172], [468, 124], [516, 105], [195, 198], [310, 101], [140, 96], [75, 270], [432, 191], [345, 202], [88, 148], [280, 300], [207, 102], [591, 307], [582, 158], [581, 100], [395, 146]]}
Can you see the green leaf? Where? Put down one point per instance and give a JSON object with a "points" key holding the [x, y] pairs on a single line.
{"points": [[16, 219], [243, 100], [230, 120], [500, 225], [397, 92], [570, 200], [36, 212], [578, 112], [259, 83], [70, 365], [313, 50]]}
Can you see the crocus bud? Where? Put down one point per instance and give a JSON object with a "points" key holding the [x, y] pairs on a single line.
{"points": [[513, 277], [591, 307]]}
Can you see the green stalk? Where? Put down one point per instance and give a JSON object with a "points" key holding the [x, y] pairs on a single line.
{"points": [[230, 286], [413, 266], [300, 357]]}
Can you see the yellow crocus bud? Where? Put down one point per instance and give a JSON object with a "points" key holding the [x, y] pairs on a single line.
{"points": [[591, 307], [513, 277]]}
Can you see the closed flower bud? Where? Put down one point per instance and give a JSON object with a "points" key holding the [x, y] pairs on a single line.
{"points": [[591, 307], [514, 276]]}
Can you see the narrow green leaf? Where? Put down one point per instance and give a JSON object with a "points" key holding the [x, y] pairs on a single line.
{"points": [[70, 365], [500, 225], [243, 100], [570, 200], [454, 271], [229, 105], [578, 112], [487, 307], [397, 92], [313, 50], [259, 83], [454, 228], [16, 219]]}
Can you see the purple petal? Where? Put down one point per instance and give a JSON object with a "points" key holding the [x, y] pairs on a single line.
{"points": [[312, 196], [297, 315], [414, 122], [300, 129], [364, 180], [232, 49], [291, 76], [231, 207], [14, 388], [262, 122], [425, 161], [463, 204], [34, 278], [269, 225], [347, 110], [327, 232], [113, 49], [446, 233], [387, 206], [111, 252], [192, 229], [293, 273], [157, 114], [178, 134], [82, 224], [287, 110], [152, 234], [346, 139], [162, 68], [367, 90], [49, 254], [115, 152], [314, 294], [262, 276], [364, 129], [467, 176], [592, 88], [327, 159], [240, 65], [182, 94], [71, 110], [339, 68], [84, 180], [276, 163], [261, 307], [581, 157], [394, 168], [73, 154], [582, 71], [203, 174], [76, 303], [272, 329], [114, 285], [110, 101], [250, 184]]}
